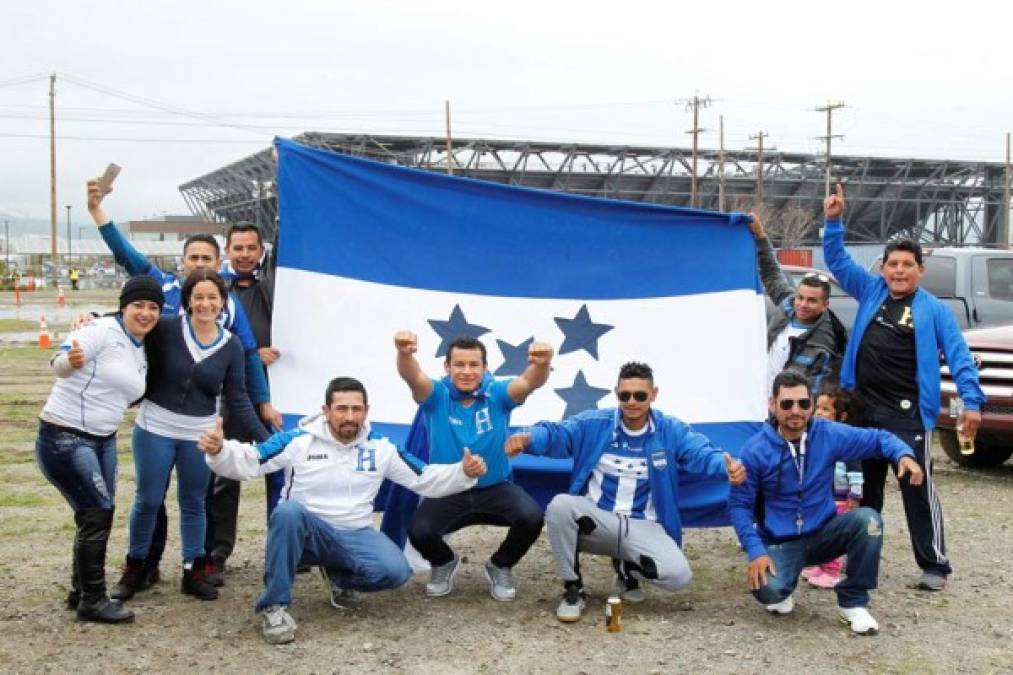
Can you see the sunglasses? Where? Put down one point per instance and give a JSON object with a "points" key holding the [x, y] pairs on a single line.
{"points": [[819, 276], [638, 396], [789, 403]]}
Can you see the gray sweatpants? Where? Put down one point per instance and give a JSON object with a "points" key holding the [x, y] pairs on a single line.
{"points": [[576, 524]]}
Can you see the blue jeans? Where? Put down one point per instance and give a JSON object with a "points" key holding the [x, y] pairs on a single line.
{"points": [[857, 533], [154, 457], [82, 468], [361, 560]]}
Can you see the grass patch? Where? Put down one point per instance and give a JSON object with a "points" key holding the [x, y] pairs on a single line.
{"points": [[14, 457], [21, 499], [17, 325]]}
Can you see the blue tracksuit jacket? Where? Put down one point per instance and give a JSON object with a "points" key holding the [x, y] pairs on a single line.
{"points": [[771, 474], [670, 446], [935, 330]]}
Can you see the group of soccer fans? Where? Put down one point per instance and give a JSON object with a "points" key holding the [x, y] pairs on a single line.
{"points": [[178, 345]]}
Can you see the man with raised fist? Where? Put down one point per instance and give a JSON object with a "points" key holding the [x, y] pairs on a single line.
{"points": [[623, 500], [333, 466], [469, 408]]}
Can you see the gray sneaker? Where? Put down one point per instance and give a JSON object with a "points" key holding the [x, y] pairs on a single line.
{"points": [[501, 582], [341, 598], [571, 605], [931, 581], [441, 580], [279, 626], [629, 589]]}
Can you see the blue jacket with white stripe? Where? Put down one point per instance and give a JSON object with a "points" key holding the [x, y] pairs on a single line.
{"points": [[935, 330], [669, 447]]}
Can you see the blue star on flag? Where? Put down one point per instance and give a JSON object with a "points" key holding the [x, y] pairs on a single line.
{"points": [[515, 359], [580, 396], [581, 333], [457, 326]]}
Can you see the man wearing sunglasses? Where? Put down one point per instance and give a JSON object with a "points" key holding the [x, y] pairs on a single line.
{"points": [[803, 334], [893, 364], [784, 513], [623, 500]]}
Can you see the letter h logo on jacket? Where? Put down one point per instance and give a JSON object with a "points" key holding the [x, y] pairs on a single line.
{"points": [[366, 455]]}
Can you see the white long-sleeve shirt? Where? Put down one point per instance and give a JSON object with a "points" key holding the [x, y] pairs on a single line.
{"points": [[93, 398], [335, 481]]}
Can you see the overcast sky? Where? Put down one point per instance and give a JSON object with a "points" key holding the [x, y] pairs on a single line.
{"points": [[189, 86]]}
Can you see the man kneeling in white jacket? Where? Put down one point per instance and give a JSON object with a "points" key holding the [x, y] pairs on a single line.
{"points": [[333, 469]]}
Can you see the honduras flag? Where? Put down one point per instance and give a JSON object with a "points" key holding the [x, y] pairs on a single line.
{"points": [[369, 248]]}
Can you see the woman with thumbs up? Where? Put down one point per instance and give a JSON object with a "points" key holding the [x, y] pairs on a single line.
{"points": [[100, 371]]}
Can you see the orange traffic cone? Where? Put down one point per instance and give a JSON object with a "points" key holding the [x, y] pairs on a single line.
{"points": [[61, 299], [44, 341]]}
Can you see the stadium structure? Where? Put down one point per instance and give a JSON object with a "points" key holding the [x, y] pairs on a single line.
{"points": [[942, 202]]}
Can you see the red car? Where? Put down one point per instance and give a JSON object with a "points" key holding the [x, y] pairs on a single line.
{"points": [[992, 349]]}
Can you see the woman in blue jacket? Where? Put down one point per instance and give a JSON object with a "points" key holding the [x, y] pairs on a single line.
{"points": [[192, 360]]}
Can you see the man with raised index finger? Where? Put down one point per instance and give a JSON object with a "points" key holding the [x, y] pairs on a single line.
{"points": [[892, 363]]}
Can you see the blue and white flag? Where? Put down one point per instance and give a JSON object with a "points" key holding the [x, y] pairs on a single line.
{"points": [[369, 248]]}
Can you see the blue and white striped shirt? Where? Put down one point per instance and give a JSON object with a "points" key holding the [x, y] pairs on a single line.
{"points": [[619, 483]]}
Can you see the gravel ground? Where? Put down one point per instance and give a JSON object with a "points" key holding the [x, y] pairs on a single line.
{"points": [[715, 626]]}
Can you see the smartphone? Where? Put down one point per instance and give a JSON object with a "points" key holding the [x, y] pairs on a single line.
{"points": [[107, 178]]}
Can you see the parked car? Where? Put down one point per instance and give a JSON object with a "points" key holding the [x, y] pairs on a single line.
{"points": [[842, 304], [992, 349], [976, 283]]}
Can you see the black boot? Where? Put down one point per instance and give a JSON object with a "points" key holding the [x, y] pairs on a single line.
{"points": [[158, 537], [93, 527], [133, 578], [195, 581], [215, 571], [74, 594]]}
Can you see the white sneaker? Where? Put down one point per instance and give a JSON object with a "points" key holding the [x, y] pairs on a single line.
{"points": [[441, 581], [279, 626], [572, 604], [784, 607], [860, 620]]}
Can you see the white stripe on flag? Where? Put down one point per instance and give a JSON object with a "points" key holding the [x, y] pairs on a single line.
{"points": [[707, 350]]}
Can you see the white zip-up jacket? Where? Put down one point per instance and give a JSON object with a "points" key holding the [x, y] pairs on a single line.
{"points": [[335, 481]]}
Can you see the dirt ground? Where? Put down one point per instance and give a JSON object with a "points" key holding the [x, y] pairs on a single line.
{"points": [[715, 626]]}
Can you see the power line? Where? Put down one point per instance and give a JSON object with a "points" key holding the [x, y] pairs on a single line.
{"points": [[23, 80], [157, 104], [133, 139]]}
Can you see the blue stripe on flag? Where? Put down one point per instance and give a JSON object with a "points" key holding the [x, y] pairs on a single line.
{"points": [[394, 225]]}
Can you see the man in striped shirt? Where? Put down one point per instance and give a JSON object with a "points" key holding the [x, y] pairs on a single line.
{"points": [[623, 496]]}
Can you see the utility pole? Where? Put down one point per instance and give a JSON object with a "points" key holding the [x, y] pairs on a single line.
{"points": [[829, 109], [695, 104], [1005, 197], [52, 176], [70, 245], [7, 245], [758, 137], [450, 147], [721, 163]]}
